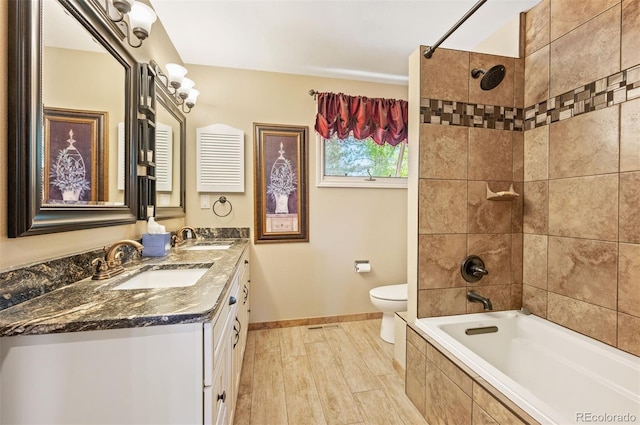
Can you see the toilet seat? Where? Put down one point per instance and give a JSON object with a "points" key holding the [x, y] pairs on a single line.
{"points": [[396, 292]]}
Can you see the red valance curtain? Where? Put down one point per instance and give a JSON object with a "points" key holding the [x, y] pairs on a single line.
{"points": [[384, 120]]}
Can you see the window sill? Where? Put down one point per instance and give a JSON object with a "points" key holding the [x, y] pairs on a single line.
{"points": [[362, 182]]}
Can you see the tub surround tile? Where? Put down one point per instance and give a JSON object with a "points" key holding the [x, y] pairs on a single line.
{"points": [[537, 27], [536, 213], [573, 214], [584, 270], [589, 319], [495, 251], [443, 206], [453, 372], [628, 281], [500, 296], [567, 16], [628, 335], [517, 258], [495, 408], [571, 67], [516, 296], [517, 209], [480, 417], [441, 302], [518, 90], [446, 403], [536, 154], [534, 267], [518, 156], [443, 152], [629, 130], [490, 154], [418, 342], [487, 216], [630, 33], [440, 257], [585, 145], [445, 75], [535, 299], [630, 207], [536, 74], [416, 372], [501, 95]]}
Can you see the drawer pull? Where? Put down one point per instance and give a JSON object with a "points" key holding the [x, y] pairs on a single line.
{"points": [[222, 396], [232, 300]]}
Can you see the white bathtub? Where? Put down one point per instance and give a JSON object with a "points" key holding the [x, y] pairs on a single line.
{"points": [[554, 374]]}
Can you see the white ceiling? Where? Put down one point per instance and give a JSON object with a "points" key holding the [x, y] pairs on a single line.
{"points": [[352, 39]]}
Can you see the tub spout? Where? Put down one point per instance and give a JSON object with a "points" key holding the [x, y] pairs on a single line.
{"points": [[474, 297]]}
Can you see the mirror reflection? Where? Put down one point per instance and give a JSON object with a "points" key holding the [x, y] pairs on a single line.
{"points": [[83, 98]]}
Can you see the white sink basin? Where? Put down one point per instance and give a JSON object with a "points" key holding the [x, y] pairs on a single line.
{"points": [[207, 247], [163, 278]]}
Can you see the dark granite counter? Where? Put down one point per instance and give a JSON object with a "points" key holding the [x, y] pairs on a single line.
{"points": [[93, 304]]}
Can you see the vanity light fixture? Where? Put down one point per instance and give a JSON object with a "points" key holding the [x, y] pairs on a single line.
{"points": [[140, 18], [180, 87]]}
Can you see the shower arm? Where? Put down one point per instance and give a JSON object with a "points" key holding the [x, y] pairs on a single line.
{"points": [[429, 51]]}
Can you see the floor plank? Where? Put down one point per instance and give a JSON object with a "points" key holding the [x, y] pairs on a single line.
{"points": [[303, 401], [292, 341], [374, 357], [268, 406], [376, 408]]}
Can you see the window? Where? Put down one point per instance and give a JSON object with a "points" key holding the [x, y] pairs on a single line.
{"points": [[361, 163]]}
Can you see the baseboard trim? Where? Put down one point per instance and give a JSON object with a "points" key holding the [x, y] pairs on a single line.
{"points": [[314, 321]]}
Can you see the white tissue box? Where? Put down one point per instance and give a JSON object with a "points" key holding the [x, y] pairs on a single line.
{"points": [[156, 244]]}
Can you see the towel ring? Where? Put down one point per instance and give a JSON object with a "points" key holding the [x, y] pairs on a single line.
{"points": [[222, 200]]}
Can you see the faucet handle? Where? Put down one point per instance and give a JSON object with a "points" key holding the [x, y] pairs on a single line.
{"points": [[100, 264]]}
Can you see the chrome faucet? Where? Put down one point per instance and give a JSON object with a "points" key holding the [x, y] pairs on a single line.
{"points": [[111, 264], [474, 297]]}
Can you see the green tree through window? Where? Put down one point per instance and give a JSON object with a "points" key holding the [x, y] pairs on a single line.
{"points": [[360, 158]]}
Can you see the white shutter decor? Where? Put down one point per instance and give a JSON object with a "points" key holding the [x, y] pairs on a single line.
{"points": [[164, 157], [220, 159]]}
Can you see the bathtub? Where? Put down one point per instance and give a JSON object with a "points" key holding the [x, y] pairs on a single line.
{"points": [[556, 375]]}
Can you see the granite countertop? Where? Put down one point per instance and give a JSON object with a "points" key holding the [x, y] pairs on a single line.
{"points": [[92, 304]]}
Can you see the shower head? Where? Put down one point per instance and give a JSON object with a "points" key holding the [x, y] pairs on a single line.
{"points": [[492, 78]]}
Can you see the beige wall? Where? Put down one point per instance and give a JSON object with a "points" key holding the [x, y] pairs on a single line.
{"points": [[582, 173], [301, 280]]}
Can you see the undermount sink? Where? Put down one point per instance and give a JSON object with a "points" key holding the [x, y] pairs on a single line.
{"points": [[163, 278], [207, 247]]}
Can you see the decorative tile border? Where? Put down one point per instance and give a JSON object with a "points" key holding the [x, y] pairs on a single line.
{"points": [[608, 91]]}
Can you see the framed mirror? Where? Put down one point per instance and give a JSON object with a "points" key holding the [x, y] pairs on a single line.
{"points": [[170, 146], [70, 102]]}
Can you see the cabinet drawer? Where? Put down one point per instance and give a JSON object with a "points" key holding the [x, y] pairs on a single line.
{"points": [[224, 319]]}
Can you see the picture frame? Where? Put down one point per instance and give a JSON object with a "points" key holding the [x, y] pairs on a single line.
{"points": [[281, 183], [75, 157]]}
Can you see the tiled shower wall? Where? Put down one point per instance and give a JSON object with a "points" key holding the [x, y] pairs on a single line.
{"points": [[582, 168], [575, 240]]}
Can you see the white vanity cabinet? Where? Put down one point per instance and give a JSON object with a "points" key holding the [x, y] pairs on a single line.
{"points": [[172, 374], [240, 328]]}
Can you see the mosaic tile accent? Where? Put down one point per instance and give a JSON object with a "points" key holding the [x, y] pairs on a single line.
{"points": [[608, 91], [445, 112]]}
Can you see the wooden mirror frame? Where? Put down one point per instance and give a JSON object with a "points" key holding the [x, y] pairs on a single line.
{"points": [[26, 214]]}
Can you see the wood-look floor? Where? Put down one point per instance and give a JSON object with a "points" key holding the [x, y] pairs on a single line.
{"points": [[336, 374]]}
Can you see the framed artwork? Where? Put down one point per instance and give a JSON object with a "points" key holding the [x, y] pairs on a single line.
{"points": [[281, 183], [75, 156]]}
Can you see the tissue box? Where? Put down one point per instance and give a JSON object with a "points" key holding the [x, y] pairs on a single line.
{"points": [[156, 244]]}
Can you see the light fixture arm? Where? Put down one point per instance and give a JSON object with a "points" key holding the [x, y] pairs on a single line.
{"points": [[140, 25], [180, 99]]}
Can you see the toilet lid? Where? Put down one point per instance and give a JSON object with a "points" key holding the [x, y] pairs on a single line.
{"points": [[390, 292]]}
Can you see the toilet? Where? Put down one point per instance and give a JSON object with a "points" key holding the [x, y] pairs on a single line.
{"points": [[389, 299]]}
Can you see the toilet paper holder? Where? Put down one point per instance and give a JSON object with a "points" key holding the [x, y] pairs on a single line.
{"points": [[361, 266]]}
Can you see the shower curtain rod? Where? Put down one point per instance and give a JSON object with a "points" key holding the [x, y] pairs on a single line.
{"points": [[429, 52]]}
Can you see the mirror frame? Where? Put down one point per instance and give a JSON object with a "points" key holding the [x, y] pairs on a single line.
{"points": [[164, 99], [26, 214]]}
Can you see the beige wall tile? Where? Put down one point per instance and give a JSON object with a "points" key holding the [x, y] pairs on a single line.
{"points": [[535, 299], [585, 145], [630, 33], [487, 216], [440, 257], [517, 208], [516, 296], [630, 207], [628, 335], [535, 214], [446, 402], [517, 257], [629, 130], [572, 67], [480, 417], [536, 154], [568, 15], [445, 76], [490, 154], [442, 206], [493, 407], [537, 27], [500, 296], [495, 251], [536, 75], [518, 156], [416, 367], [628, 280], [591, 320], [443, 151], [534, 260], [518, 86], [584, 207], [584, 269], [441, 302], [502, 95], [452, 371]]}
